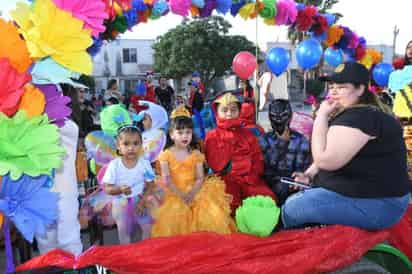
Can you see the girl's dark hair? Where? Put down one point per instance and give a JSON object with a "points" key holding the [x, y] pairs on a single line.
{"points": [[182, 122], [128, 129], [111, 83], [408, 61], [71, 92]]}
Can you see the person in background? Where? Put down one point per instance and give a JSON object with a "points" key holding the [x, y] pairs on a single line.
{"points": [[196, 97], [112, 91], [150, 88], [165, 94], [285, 151], [272, 87]]}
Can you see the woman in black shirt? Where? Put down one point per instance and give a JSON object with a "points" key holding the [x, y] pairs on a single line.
{"points": [[359, 169]]}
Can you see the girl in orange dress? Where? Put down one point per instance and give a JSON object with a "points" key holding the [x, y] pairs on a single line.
{"points": [[192, 203]]}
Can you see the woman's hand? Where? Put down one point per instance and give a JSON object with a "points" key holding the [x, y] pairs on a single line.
{"points": [[140, 207], [126, 190], [327, 107], [300, 177]]}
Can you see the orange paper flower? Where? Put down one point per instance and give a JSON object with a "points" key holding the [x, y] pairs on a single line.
{"points": [[334, 35], [33, 101], [13, 47], [194, 11]]}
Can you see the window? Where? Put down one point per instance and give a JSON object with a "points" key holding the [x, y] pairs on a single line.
{"points": [[129, 55]]}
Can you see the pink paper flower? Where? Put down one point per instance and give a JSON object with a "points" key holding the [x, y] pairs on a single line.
{"points": [[180, 7], [286, 12], [91, 12]]}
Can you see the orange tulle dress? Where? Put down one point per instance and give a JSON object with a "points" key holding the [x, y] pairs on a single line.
{"points": [[209, 210]]}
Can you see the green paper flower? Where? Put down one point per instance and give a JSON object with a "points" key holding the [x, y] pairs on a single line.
{"points": [[113, 117], [258, 216], [28, 146], [269, 9]]}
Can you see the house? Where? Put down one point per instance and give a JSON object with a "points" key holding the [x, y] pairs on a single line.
{"points": [[126, 60]]}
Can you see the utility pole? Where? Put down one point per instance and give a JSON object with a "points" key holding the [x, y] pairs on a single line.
{"points": [[395, 36]]}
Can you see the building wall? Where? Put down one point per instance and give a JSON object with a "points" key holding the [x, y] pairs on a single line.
{"points": [[109, 63]]}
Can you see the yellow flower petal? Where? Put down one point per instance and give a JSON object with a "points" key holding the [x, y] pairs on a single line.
{"points": [[52, 32]]}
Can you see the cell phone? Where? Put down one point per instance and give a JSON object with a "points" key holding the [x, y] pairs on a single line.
{"points": [[290, 181]]}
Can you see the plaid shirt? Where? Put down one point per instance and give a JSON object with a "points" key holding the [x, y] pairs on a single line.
{"points": [[282, 158]]}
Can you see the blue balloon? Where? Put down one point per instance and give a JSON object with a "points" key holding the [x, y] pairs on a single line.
{"points": [[381, 73], [308, 53], [300, 6], [223, 6], [333, 57], [277, 60]]}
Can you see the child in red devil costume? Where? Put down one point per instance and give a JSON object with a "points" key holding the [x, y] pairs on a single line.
{"points": [[233, 152]]}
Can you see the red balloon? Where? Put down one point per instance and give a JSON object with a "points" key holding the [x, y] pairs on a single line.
{"points": [[244, 64]]}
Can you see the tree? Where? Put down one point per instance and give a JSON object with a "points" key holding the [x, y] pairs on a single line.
{"points": [[198, 45], [324, 6]]}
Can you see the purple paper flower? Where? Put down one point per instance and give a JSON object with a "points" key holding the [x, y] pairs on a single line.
{"points": [[56, 104]]}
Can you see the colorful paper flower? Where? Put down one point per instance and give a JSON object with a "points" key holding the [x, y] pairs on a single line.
{"points": [[258, 216], [207, 10], [47, 71], [13, 47], [11, 87], [180, 7], [29, 204], [33, 101], [305, 18], [91, 12], [52, 32], [399, 63], [286, 12], [334, 34], [247, 11], [223, 6], [269, 9], [198, 3], [56, 104], [320, 25], [28, 146]]}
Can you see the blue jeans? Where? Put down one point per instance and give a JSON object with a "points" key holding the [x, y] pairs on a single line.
{"points": [[322, 206]]}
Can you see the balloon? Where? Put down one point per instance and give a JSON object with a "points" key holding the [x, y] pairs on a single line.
{"points": [[244, 64], [381, 73], [100, 147], [334, 57], [308, 53], [278, 60]]}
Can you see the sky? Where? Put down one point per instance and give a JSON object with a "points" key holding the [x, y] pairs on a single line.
{"points": [[373, 19]]}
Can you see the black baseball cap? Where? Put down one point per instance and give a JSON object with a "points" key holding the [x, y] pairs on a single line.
{"points": [[349, 72]]}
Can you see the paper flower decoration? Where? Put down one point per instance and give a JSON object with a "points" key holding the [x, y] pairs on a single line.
{"points": [[160, 7], [91, 12], [223, 6], [207, 10], [320, 25], [120, 24], [305, 18], [400, 78], [334, 34], [399, 63], [56, 104], [52, 32], [47, 71], [258, 216], [32, 101], [112, 118], [13, 47], [11, 87], [29, 204], [198, 3], [28, 146], [180, 7], [286, 12], [247, 10], [269, 9]]}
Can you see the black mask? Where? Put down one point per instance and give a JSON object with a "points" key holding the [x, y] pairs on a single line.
{"points": [[280, 114]]}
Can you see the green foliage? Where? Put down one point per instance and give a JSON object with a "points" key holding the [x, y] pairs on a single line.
{"points": [[87, 81], [198, 45]]}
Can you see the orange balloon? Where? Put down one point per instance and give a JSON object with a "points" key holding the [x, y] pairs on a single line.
{"points": [[13, 47], [32, 101]]}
